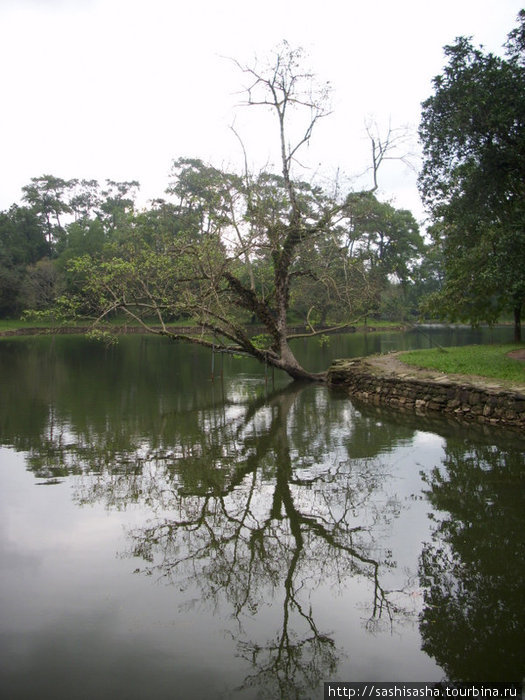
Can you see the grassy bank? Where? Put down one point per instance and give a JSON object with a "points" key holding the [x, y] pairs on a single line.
{"points": [[482, 360], [121, 321], [13, 324], [124, 321]]}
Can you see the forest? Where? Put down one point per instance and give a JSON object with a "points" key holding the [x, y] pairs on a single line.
{"points": [[375, 248]]}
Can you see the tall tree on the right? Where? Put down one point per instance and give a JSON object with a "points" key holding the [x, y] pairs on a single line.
{"points": [[473, 180]]}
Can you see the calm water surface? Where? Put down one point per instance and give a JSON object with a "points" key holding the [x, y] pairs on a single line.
{"points": [[165, 536]]}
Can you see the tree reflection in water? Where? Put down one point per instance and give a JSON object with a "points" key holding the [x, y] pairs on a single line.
{"points": [[248, 510], [473, 622], [258, 502]]}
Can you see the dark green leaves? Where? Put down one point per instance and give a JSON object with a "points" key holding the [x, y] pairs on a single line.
{"points": [[473, 178]]}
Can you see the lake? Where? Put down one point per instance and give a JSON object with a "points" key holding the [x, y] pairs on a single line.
{"points": [[163, 535]]}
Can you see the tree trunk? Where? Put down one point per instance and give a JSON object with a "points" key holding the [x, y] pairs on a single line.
{"points": [[289, 364], [517, 323]]}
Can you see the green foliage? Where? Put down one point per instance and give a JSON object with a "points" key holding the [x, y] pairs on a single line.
{"points": [[22, 243], [46, 195], [22, 239], [482, 360], [49, 319], [373, 248], [473, 178], [262, 341], [62, 219], [387, 238], [394, 304], [41, 286], [103, 336]]}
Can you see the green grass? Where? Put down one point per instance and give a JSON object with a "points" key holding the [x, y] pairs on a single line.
{"points": [[381, 324], [11, 324], [481, 360], [14, 324], [122, 320]]}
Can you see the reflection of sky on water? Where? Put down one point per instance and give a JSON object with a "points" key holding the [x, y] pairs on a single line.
{"points": [[87, 602], [70, 609]]}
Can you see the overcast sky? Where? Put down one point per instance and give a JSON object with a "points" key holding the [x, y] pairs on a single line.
{"points": [[119, 88]]}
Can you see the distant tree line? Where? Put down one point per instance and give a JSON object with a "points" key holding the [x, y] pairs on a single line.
{"points": [[59, 221]]}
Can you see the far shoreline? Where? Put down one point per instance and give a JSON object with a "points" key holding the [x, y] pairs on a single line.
{"points": [[125, 329]]}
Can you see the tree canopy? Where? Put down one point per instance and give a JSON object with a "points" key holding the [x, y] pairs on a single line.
{"points": [[473, 179]]}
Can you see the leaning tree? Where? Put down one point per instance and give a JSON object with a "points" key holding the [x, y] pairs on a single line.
{"points": [[234, 245]]}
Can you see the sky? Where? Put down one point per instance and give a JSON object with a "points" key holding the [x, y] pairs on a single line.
{"points": [[117, 89]]}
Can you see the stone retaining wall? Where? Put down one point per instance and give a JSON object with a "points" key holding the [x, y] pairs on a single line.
{"points": [[463, 401]]}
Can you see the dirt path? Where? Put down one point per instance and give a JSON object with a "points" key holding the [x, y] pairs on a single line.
{"points": [[518, 354]]}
